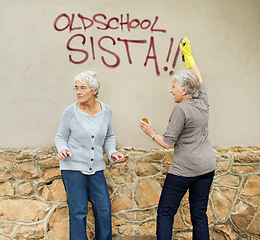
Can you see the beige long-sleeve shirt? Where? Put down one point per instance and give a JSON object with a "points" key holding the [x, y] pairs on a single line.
{"points": [[188, 133]]}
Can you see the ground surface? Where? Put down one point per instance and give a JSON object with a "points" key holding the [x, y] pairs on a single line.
{"points": [[135, 238]]}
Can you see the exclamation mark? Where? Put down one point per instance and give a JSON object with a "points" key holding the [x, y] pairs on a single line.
{"points": [[176, 55], [168, 56], [175, 58]]}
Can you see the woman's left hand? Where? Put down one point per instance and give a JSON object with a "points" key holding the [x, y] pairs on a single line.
{"points": [[118, 157], [147, 128]]}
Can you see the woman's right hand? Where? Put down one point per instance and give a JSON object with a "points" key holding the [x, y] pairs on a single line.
{"points": [[63, 154], [147, 128]]}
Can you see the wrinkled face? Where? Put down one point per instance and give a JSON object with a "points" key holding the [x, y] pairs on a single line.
{"points": [[83, 92], [177, 93]]}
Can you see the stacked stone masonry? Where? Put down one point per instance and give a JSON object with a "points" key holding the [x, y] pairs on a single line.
{"points": [[33, 201]]}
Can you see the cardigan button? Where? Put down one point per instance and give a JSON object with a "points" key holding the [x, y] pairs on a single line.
{"points": [[92, 159], [92, 136], [90, 169], [92, 148]]}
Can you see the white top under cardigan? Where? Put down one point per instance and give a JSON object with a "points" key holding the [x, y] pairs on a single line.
{"points": [[86, 148], [90, 122]]}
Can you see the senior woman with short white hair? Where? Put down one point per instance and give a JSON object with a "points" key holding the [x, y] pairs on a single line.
{"points": [[193, 162], [85, 128]]}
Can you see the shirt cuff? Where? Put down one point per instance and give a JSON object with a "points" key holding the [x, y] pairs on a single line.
{"points": [[168, 141]]}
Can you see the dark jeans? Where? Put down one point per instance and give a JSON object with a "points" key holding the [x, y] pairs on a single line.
{"points": [[80, 188], [173, 191]]}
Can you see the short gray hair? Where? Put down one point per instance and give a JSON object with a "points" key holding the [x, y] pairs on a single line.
{"points": [[91, 78], [186, 78]]}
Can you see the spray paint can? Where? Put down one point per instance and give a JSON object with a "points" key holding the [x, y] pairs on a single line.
{"points": [[183, 42]]}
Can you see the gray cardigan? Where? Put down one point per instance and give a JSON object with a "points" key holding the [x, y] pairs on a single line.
{"points": [[86, 149]]}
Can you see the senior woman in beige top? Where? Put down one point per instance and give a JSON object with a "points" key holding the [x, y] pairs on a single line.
{"points": [[193, 163]]}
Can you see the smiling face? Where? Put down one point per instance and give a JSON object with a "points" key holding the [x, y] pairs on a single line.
{"points": [[83, 92], [179, 95]]}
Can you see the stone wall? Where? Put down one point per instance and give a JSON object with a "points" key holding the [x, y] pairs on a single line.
{"points": [[33, 200]]}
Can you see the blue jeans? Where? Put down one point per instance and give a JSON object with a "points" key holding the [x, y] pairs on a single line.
{"points": [[80, 188], [173, 191]]}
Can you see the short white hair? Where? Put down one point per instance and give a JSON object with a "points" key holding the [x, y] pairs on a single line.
{"points": [[91, 78], [185, 78]]}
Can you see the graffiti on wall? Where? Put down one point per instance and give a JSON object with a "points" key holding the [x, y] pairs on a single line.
{"points": [[76, 24]]}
